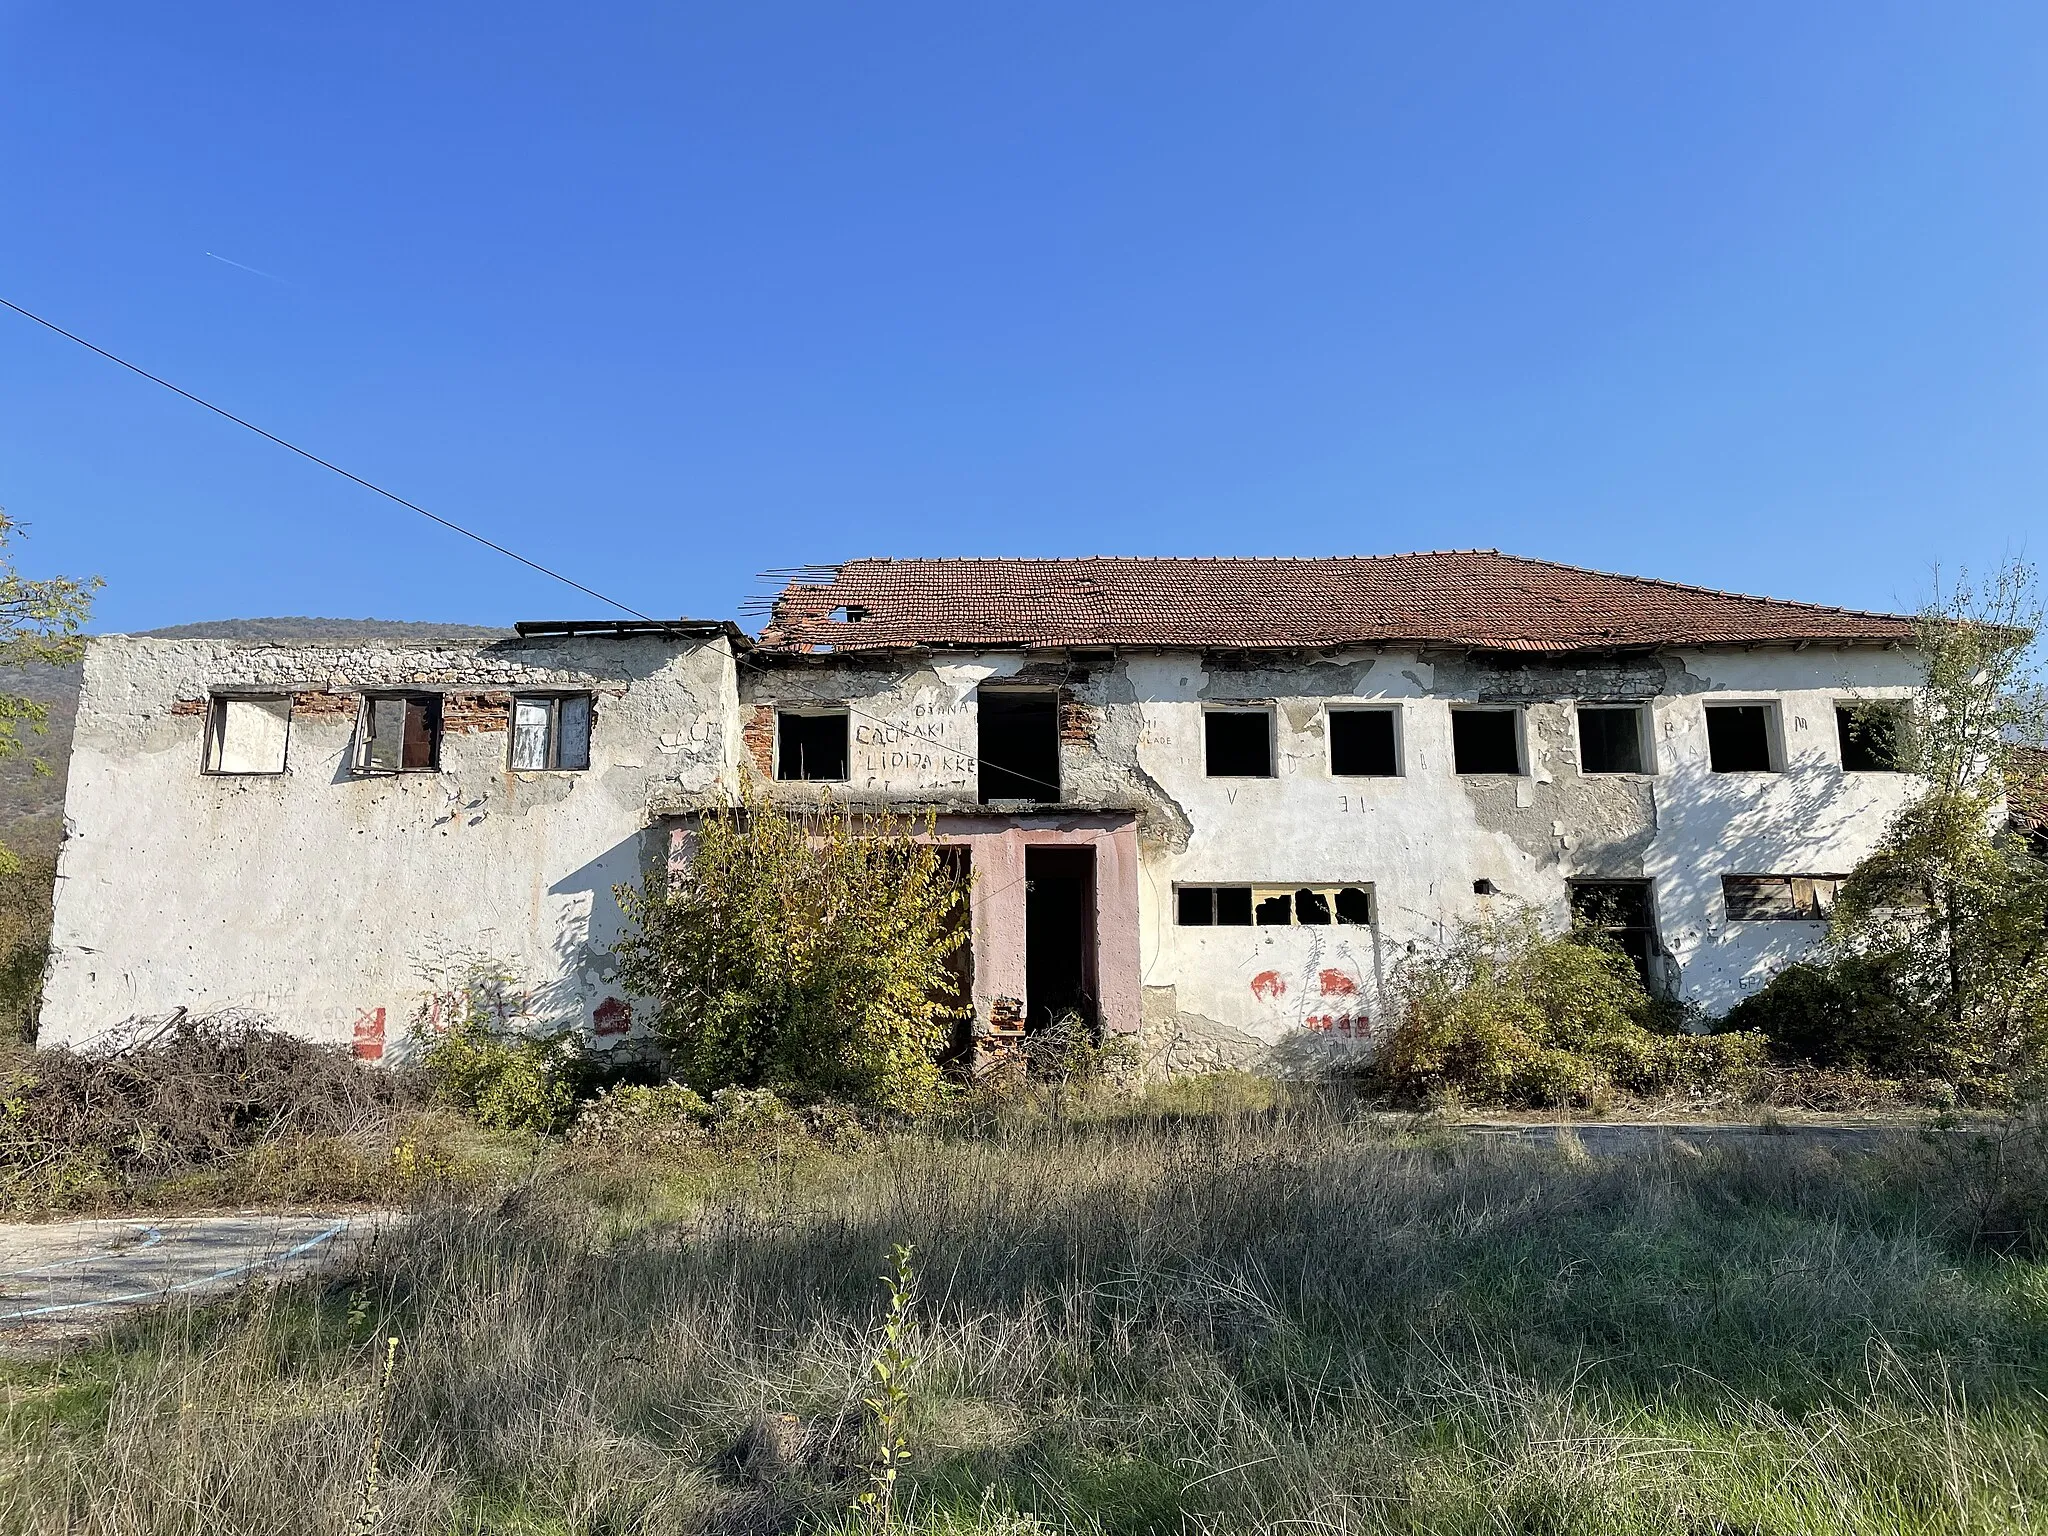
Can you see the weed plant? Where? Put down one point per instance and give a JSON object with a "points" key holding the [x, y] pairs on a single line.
{"points": [[1233, 1308]]}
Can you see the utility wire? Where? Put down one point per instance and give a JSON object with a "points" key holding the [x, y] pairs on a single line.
{"points": [[454, 527]]}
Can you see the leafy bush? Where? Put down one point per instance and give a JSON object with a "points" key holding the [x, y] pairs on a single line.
{"points": [[503, 1078], [804, 952], [637, 1117], [1508, 1015], [1842, 1013]]}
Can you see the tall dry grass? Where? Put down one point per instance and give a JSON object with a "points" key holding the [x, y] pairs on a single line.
{"points": [[1225, 1320]]}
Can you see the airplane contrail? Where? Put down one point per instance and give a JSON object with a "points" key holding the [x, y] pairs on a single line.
{"points": [[246, 268]]}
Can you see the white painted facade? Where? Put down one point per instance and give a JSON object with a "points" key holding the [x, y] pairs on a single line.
{"points": [[320, 896]]}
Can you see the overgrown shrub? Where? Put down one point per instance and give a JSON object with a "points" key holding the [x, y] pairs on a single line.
{"points": [[503, 1078], [1508, 1015], [183, 1094], [637, 1117], [805, 952]]}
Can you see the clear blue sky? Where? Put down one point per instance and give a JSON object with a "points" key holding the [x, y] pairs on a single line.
{"points": [[1754, 296]]}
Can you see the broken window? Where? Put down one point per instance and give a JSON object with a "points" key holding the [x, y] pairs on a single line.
{"points": [[1873, 737], [551, 731], [1240, 906], [810, 744], [1486, 741], [1739, 738], [1610, 739], [1781, 898], [1239, 743], [247, 735], [1362, 743], [399, 733], [1019, 744], [1620, 911]]}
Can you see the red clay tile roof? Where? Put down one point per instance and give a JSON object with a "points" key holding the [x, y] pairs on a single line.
{"points": [[1479, 598]]}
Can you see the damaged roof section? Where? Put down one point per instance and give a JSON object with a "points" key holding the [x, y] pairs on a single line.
{"points": [[1480, 599]]}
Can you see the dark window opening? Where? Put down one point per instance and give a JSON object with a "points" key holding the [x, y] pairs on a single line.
{"points": [[1019, 744], [1059, 935], [810, 746], [1780, 898], [1242, 906], [401, 733], [1234, 906], [1362, 743], [1239, 743], [1312, 909], [1275, 911], [1619, 911], [1485, 741], [1873, 737], [1610, 740], [551, 732], [1482, 888], [1354, 906], [1739, 738]]}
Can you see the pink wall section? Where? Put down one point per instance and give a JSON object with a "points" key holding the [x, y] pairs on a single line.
{"points": [[997, 847]]}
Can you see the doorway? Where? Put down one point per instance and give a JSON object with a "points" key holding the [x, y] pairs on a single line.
{"points": [[1621, 910], [1059, 935]]}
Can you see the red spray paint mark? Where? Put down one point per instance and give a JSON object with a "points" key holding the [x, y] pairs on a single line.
{"points": [[1345, 1026], [369, 1041], [1337, 984], [1269, 986], [613, 1017]]}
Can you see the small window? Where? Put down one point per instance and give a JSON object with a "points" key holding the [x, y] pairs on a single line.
{"points": [[247, 735], [1873, 737], [1610, 739], [1239, 743], [1486, 741], [1241, 906], [1019, 744], [399, 733], [1780, 898], [1739, 738], [810, 745], [551, 731], [1362, 743], [1621, 911]]}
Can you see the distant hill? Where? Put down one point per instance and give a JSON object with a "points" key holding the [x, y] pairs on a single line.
{"points": [[32, 804]]}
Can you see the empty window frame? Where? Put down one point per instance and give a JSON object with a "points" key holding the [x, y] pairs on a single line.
{"points": [[1241, 906], [1364, 743], [810, 744], [1238, 743], [1742, 738], [550, 731], [1780, 898], [399, 733], [247, 734], [1621, 911], [1019, 743], [1486, 740], [1873, 736], [1611, 739]]}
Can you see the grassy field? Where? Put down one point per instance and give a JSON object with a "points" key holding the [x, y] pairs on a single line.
{"points": [[1185, 1315]]}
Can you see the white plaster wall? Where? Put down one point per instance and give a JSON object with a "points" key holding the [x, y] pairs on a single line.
{"points": [[318, 896]]}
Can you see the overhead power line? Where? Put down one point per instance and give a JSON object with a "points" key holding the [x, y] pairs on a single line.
{"points": [[454, 527]]}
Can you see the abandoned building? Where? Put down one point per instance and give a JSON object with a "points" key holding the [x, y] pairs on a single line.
{"points": [[1213, 803]]}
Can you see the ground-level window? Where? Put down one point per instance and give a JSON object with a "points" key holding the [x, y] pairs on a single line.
{"points": [[399, 733], [1242, 906], [1486, 740], [1781, 898], [246, 734], [1611, 739], [1018, 743], [551, 731], [1619, 910], [1363, 743], [1873, 736], [810, 744], [1238, 743], [1739, 738]]}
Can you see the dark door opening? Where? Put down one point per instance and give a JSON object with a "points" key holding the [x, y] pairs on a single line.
{"points": [[1019, 744], [1059, 935], [1620, 910]]}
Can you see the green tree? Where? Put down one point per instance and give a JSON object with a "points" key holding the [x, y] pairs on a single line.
{"points": [[40, 624], [802, 950]]}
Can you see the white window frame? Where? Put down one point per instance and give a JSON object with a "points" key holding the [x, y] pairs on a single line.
{"points": [[1774, 733], [214, 743], [1365, 707], [1272, 740], [554, 702], [1521, 715], [1646, 738]]}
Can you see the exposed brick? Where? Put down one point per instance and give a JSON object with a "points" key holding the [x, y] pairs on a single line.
{"points": [[471, 714], [189, 707], [1078, 721], [320, 704], [759, 735]]}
